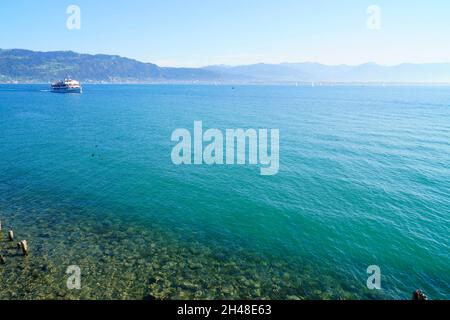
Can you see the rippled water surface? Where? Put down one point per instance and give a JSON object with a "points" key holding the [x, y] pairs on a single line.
{"points": [[87, 179]]}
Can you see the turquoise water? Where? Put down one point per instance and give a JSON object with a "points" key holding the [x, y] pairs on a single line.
{"points": [[88, 180]]}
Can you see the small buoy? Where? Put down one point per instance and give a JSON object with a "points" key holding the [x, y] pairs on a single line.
{"points": [[11, 235], [24, 247], [2, 259]]}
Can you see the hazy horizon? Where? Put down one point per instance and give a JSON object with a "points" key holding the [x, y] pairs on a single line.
{"points": [[238, 65]]}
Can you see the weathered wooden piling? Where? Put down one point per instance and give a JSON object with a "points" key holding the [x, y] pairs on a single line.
{"points": [[11, 235], [0, 225], [418, 295], [24, 247], [2, 259]]}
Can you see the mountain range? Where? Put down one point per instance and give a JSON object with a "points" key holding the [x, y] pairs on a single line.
{"points": [[18, 65]]}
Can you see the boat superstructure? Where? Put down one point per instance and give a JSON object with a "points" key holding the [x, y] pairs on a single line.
{"points": [[67, 86]]}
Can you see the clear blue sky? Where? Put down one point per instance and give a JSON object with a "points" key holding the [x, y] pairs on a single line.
{"points": [[203, 32]]}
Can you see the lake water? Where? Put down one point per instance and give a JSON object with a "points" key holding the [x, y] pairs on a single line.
{"points": [[88, 180]]}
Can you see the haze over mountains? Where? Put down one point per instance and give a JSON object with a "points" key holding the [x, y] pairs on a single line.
{"points": [[17, 65], [315, 72]]}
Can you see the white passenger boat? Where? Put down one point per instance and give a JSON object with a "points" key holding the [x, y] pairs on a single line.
{"points": [[67, 86]]}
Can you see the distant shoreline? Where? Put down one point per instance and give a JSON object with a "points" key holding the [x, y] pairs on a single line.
{"points": [[299, 84], [25, 66]]}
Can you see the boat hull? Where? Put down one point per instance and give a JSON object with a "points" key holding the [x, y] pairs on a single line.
{"points": [[67, 90]]}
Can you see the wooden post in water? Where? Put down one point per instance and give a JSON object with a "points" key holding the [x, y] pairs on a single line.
{"points": [[2, 259], [0, 225], [24, 247], [11, 235], [418, 295]]}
